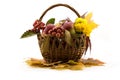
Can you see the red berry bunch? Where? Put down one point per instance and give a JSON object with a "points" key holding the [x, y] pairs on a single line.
{"points": [[37, 26], [56, 32]]}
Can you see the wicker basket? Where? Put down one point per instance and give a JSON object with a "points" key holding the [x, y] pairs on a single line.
{"points": [[58, 49]]}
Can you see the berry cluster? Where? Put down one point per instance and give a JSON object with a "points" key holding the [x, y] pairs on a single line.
{"points": [[37, 26], [56, 31]]}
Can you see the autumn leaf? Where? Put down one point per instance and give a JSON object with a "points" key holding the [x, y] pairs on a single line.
{"points": [[88, 16], [51, 21], [28, 33], [68, 37]]}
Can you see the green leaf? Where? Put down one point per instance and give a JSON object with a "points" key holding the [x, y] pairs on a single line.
{"points": [[51, 21], [28, 33], [68, 38]]}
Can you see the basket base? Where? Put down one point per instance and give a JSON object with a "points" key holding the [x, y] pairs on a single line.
{"points": [[65, 58]]}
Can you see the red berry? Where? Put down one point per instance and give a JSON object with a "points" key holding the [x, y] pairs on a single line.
{"points": [[54, 29], [35, 22], [50, 31], [37, 25], [62, 33], [42, 24], [59, 30], [53, 33], [58, 35]]}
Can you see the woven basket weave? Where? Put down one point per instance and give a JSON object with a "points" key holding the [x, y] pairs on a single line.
{"points": [[59, 49]]}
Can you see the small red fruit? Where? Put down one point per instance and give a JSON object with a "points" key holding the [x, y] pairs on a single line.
{"points": [[58, 35], [53, 33], [35, 22]]}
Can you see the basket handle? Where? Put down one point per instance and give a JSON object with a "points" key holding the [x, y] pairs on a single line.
{"points": [[56, 5]]}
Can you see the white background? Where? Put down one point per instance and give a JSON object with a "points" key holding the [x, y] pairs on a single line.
{"points": [[16, 16]]}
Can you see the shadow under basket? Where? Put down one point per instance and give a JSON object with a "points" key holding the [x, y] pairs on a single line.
{"points": [[57, 49]]}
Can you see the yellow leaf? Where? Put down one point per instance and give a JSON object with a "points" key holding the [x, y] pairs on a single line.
{"points": [[92, 25], [88, 16]]}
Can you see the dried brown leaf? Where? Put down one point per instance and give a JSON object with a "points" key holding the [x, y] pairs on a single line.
{"points": [[60, 66], [79, 66]]}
